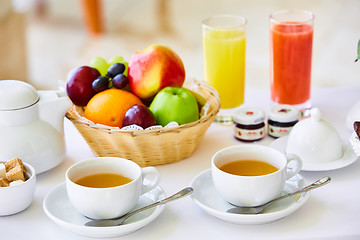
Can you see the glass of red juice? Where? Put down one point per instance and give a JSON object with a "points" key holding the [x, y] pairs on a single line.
{"points": [[291, 40]]}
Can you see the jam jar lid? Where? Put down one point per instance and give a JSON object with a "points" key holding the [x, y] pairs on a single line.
{"points": [[249, 116], [284, 113]]}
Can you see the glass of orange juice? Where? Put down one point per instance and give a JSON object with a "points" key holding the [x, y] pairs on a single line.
{"points": [[224, 44], [291, 41]]}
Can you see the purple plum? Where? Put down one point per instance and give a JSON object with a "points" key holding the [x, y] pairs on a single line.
{"points": [[140, 115]]}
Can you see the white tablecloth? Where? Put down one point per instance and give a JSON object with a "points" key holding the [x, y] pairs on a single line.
{"points": [[332, 212]]}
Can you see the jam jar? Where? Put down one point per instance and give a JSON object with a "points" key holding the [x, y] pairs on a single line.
{"points": [[249, 124], [281, 119]]}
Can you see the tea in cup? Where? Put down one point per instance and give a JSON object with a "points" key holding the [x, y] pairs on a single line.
{"points": [[250, 175], [108, 187]]}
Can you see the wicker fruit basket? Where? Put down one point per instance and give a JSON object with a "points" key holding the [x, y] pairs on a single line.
{"points": [[150, 147]]}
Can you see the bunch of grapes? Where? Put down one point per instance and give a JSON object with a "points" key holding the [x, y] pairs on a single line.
{"points": [[113, 76]]}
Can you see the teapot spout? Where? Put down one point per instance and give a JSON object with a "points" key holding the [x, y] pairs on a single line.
{"points": [[53, 106]]}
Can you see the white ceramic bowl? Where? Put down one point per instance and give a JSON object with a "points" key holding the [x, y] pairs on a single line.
{"points": [[16, 198], [315, 140]]}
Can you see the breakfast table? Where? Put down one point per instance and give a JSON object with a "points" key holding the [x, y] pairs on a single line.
{"points": [[331, 212]]}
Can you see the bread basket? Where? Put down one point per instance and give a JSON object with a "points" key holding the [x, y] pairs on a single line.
{"points": [[150, 147]]}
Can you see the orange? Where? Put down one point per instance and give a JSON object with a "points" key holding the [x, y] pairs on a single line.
{"points": [[109, 107]]}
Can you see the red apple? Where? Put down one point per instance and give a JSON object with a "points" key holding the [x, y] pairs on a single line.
{"points": [[79, 85], [153, 69]]}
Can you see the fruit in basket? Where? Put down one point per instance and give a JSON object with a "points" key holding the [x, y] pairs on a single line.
{"points": [[119, 59], [115, 69], [112, 75], [120, 81], [100, 64], [201, 101], [79, 85], [153, 69], [140, 115], [116, 73], [174, 104], [100, 84], [357, 128], [109, 107], [115, 59]]}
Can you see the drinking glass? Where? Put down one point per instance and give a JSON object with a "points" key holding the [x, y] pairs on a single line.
{"points": [[224, 44], [291, 41]]}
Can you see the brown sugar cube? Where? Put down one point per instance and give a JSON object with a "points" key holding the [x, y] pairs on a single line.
{"points": [[4, 182], [15, 173], [13, 163]]}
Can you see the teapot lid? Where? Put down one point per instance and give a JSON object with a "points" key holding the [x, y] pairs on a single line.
{"points": [[16, 94]]}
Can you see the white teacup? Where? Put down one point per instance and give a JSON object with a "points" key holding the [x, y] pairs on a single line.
{"points": [[109, 202], [252, 190]]}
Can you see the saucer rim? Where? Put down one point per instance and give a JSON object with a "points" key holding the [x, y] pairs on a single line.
{"points": [[320, 166], [102, 232], [249, 219]]}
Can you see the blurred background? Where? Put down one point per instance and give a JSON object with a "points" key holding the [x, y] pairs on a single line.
{"points": [[42, 40]]}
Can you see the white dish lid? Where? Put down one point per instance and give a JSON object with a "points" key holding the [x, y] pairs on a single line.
{"points": [[315, 140]]}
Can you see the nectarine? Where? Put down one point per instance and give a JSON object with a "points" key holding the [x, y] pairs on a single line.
{"points": [[153, 69]]}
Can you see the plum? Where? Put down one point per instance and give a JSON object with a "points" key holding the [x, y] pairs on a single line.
{"points": [[357, 128], [79, 85], [140, 115]]}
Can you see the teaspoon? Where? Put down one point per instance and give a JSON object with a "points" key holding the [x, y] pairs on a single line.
{"points": [[121, 220], [260, 208]]}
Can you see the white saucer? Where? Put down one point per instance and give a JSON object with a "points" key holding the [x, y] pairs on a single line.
{"points": [[348, 158], [207, 198], [59, 209]]}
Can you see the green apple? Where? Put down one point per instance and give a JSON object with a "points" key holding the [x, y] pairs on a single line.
{"points": [[174, 104]]}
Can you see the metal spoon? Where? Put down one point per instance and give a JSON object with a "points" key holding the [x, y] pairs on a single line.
{"points": [[260, 208], [121, 220]]}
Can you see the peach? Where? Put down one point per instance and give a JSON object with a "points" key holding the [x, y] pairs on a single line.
{"points": [[153, 69]]}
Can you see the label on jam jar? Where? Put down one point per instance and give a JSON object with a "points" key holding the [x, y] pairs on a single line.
{"points": [[249, 134], [281, 120], [278, 131], [249, 124]]}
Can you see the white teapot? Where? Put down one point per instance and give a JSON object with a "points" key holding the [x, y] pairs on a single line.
{"points": [[31, 124]]}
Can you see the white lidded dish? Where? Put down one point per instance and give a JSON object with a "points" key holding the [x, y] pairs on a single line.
{"points": [[315, 140]]}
